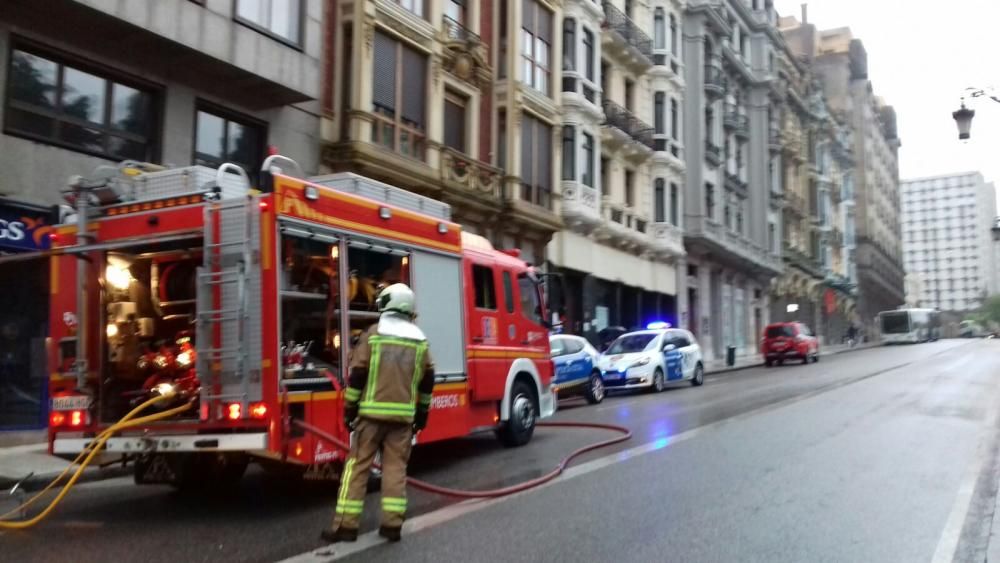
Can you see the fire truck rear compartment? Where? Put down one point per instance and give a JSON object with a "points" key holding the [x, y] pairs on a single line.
{"points": [[149, 319]]}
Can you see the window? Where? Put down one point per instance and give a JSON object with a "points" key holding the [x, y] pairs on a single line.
{"points": [[659, 30], [771, 238], [629, 188], [629, 8], [568, 152], [502, 139], [415, 6], [659, 113], [485, 292], [557, 347], [399, 125], [535, 45], [536, 161], [454, 121], [454, 10], [531, 305], [508, 292], [673, 35], [673, 119], [675, 205], [569, 44], [709, 201], [282, 18], [56, 103], [226, 137], [588, 51], [629, 95], [739, 217], [588, 160], [659, 200]]}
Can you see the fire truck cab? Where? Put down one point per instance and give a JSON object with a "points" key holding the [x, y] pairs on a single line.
{"points": [[248, 302]]}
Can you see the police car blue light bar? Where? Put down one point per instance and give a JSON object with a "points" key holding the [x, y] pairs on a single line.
{"points": [[657, 325]]}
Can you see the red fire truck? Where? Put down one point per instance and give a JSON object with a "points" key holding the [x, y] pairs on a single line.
{"points": [[246, 302]]}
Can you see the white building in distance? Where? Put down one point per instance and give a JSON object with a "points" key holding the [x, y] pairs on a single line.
{"points": [[947, 243]]}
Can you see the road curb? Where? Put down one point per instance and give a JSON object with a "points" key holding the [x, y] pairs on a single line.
{"points": [[729, 370]]}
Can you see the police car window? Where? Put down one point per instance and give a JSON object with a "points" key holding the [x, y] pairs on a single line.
{"points": [[573, 346], [508, 292], [557, 347], [482, 280]]}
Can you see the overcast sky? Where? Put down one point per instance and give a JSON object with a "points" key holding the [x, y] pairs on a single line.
{"points": [[922, 54]]}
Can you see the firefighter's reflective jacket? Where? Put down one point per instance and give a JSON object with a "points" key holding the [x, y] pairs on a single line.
{"points": [[391, 371]]}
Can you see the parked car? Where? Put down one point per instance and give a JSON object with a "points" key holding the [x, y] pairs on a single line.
{"points": [[784, 341], [576, 370], [649, 359]]}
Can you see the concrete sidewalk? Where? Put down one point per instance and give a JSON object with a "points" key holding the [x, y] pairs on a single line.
{"points": [[23, 456]]}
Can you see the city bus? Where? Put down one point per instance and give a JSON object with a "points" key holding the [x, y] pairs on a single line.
{"points": [[909, 325]]}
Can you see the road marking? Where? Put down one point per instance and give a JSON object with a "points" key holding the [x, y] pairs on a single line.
{"points": [[947, 546], [431, 519]]}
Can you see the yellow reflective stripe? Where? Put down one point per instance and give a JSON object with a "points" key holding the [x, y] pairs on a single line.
{"points": [[387, 412], [418, 370], [345, 481], [380, 405], [352, 395], [349, 509], [373, 369], [394, 500], [397, 341]]}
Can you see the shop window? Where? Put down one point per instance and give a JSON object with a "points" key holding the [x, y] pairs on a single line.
{"points": [[485, 292], [57, 103]]}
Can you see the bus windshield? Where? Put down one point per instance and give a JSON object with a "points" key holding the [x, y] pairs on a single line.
{"points": [[896, 322]]}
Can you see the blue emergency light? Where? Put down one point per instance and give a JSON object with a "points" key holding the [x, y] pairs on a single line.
{"points": [[657, 325]]}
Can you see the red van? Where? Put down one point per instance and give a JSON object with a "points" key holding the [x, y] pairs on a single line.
{"points": [[789, 340]]}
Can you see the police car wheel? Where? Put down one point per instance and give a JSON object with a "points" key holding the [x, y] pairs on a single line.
{"points": [[699, 376], [595, 389], [518, 429], [658, 384]]}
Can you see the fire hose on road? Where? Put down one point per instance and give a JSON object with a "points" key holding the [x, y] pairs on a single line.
{"points": [[625, 434], [84, 459]]}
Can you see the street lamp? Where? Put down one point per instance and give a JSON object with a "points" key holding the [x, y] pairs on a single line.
{"points": [[963, 116]]}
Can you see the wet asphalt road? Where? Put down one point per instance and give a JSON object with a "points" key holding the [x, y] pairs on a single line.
{"points": [[876, 455]]}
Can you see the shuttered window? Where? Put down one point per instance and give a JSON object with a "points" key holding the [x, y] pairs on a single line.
{"points": [[400, 110], [536, 161], [454, 121]]}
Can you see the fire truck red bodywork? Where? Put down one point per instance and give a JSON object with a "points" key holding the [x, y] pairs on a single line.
{"points": [[500, 345]]}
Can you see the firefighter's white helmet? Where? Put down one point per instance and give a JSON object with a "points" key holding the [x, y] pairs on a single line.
{"points": [[397, 297]]}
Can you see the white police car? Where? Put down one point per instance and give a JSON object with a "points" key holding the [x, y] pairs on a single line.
{"points": [[651, 359]]}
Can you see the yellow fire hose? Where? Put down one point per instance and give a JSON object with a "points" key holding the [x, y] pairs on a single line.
{"points": [[87, 456]]}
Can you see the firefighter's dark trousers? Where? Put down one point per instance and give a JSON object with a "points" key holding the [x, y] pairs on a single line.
{"points": [[393, 439]]}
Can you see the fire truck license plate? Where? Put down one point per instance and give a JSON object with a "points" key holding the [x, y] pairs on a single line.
{"points": [[77, 402]]}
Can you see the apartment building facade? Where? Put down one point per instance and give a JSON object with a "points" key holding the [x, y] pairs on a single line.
{"points": [[732, 209], [622, 171], [176, 82], [947, 222], [840, 62], [818, 286], [456, 100]]}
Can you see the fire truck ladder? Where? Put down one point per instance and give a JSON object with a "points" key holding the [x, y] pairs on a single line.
{"points": [[223, 316]]}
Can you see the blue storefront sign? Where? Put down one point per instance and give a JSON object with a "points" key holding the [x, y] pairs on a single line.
{"points": [[23, 316], [24, 227]]}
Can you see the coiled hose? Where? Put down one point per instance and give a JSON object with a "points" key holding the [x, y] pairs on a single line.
{"points": [[625, 434], [87, 456]]}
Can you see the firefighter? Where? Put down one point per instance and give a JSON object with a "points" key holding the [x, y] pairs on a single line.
{"points": [[387, 399]]}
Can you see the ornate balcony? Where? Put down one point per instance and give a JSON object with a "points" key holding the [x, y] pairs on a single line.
{"points": [[735, 121], [667, 240], [735, 184], [622, 229], [715, 81], [625, 121], [467, 175], [581, 206], [628, 35], [713, 153], [774, 139], [465, 55], [705, 235]]}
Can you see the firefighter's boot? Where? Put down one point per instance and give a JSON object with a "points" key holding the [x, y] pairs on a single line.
{"points": [[391, 534], [340, 535]]}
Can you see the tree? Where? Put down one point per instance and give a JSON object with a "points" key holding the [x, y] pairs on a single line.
{"points": [[990, 311]]}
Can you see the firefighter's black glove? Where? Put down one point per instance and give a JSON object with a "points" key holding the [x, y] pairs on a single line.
{"points": [[350, 416], [420, 420]]}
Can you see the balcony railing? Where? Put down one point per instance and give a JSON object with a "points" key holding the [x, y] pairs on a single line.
{"points": [[469, 174], [713, 153], [715, 80], [455, 31], [735, 184], [774, 139], [733, 119], [620, 118], [618, 22]]}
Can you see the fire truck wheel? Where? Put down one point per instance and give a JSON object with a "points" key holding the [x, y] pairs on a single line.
{"points": [[517, 430], [595, 388], [216, 471]]}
